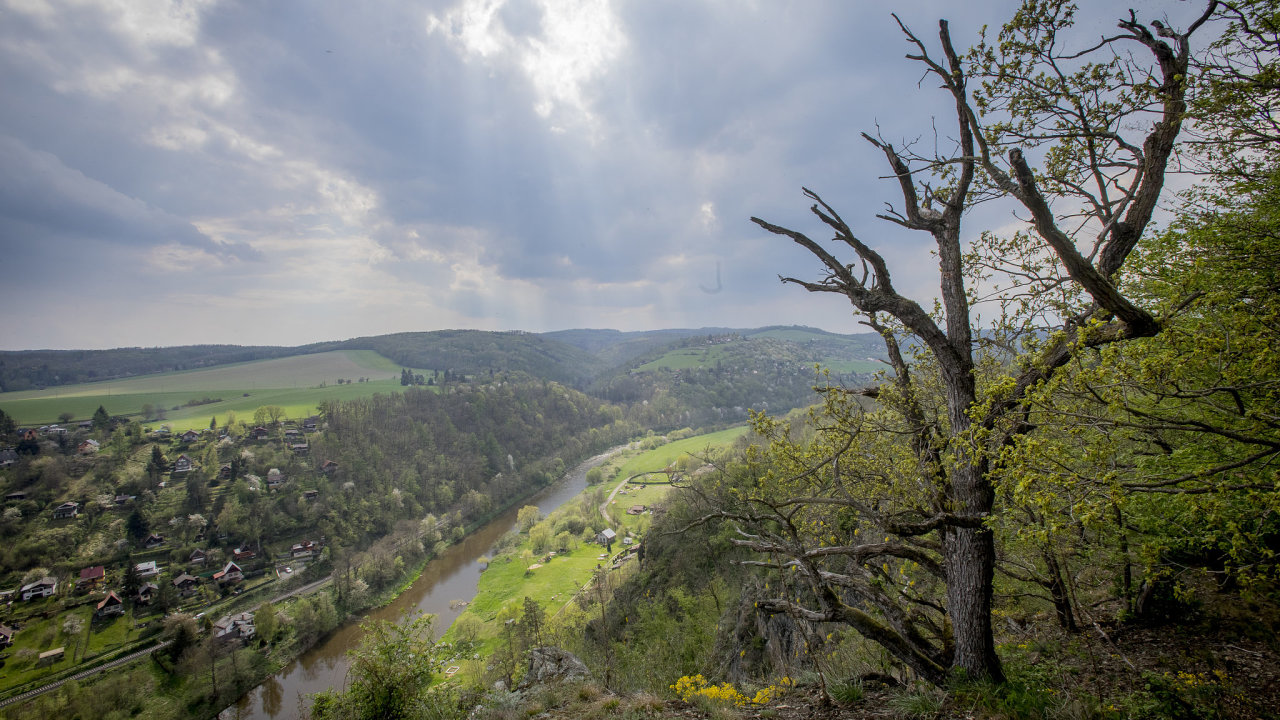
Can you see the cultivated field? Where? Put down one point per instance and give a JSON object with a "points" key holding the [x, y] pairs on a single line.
{"points": [[297, 384]]}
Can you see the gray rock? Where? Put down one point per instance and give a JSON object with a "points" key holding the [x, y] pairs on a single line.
{"points": [[551, 664]]}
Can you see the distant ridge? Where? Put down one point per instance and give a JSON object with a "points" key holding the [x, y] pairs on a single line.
{"points": [[572, 357]]}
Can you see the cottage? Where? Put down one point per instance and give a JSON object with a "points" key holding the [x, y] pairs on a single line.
{"points": [[197, 557], [224, 471], [305, 549], [309, 425], [182, 465], [243, 554], [88, 447], [66, 510], [310, 494], [606, 536], [300, 448], [91, 577], [8, 457], [234, 627], [44, 587], [275, 478], [110, 606], [636, 510], [229, 574], [147, 593], [329, 467], [259, 433], [292, 434], [186, 584], [6, 635], [147, 569], [123, 500], [16, 496], [154, 540], [189, 436]]}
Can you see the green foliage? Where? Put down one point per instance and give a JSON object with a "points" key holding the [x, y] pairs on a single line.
{"points": [[389, 676]]}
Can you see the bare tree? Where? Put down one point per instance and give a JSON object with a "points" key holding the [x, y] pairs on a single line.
{"points": [[1105, 129]]}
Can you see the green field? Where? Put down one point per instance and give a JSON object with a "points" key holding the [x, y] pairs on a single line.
{"points": [[685, 358], [293, 383]]}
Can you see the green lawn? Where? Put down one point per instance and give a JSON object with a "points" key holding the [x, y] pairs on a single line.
{"points": [[293, 383]]}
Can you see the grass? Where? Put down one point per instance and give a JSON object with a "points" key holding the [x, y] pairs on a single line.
{"points": [[293, 383]]}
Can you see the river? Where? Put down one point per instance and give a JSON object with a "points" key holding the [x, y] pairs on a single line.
{"points": [[455, 575]]}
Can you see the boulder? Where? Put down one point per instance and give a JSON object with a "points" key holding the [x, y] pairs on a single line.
{"points": [[551, 664]]}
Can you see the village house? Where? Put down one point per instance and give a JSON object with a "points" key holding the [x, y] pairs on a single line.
{"points": [[123, 500], [309, 425], [91, 577], [229, 574], [292, 434], [15, 496], [189, 436], [66, 511], [304, 549], [234, 627], [88, 447], [606, 536], [111, 605], [224, 471], [310, 494], [182, 465], [197, 557], [147, 569], [329, 467], [8, 457], [146, 593], [259, 433], [186, 584], [243, 554], [44, 587], [154, 540], [300, 448], [6, 635], [275, 478]]}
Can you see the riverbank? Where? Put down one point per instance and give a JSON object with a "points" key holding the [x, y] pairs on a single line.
{"points": [[553, 578]]}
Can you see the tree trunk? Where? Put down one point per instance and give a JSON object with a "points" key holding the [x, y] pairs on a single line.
{"points": [[970, 561]]}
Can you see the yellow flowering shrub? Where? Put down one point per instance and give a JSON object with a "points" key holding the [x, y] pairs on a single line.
{"points": [[689, 687]]}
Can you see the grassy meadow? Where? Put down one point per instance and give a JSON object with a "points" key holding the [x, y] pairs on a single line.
{"points": [[298, 384]]}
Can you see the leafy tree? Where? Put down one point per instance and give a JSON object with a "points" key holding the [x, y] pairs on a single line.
{"points": [[7, 425], [266, 622], [136, 524], [888, 531], [101, 419], [527, 517], [389, 676], [65, 417]]}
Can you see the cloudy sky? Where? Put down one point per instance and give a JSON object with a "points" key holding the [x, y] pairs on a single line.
{"points": [[177, 172]]}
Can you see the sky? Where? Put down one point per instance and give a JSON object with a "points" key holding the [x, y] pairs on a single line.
{"points": [[277, 173]]}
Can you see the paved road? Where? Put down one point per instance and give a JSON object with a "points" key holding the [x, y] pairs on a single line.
{"points": [[147, 651]]}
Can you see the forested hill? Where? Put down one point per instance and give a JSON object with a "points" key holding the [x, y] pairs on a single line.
{"points": [[573, 357]]}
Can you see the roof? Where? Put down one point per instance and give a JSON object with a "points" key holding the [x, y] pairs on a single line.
{"points": [[93, 573], [608, 533], [46, 580], [108, 600]]}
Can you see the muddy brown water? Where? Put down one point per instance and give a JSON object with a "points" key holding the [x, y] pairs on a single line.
{"points": [[453, 576]]}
